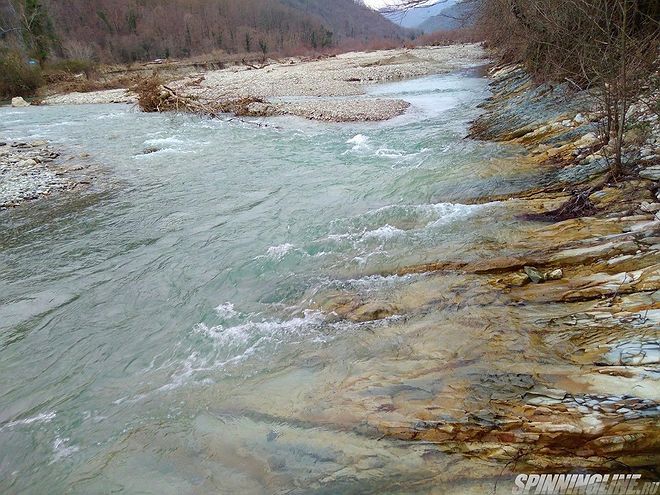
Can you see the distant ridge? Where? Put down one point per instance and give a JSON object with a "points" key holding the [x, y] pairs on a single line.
{"points": [[132, 30]]}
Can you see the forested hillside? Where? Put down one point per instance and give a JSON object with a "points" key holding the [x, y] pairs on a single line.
{"points": [[128, 30]]}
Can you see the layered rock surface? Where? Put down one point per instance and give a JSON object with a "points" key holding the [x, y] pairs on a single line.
{"points": [[543, 358]]}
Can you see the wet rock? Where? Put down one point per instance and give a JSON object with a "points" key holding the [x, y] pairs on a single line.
{"points": [[19, 102], [590, 253], [631, 353], [374, 311]]}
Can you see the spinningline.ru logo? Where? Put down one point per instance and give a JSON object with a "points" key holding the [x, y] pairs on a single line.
{"points": [[586, 484]]}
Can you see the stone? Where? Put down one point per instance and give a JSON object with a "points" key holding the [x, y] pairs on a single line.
{"points": [[606, 250], [587, 140], [606, 196], [580, 119], [633, 353], [557, 274], [19, 102], [28, 163], [647, 152], [534, 275], [651, 173], [518, 279], [649, 207]]}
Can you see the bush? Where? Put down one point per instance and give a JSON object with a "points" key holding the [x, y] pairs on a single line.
{"points": [[17, 78], [72, 66]]}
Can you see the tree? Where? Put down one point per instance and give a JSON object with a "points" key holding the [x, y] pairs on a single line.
{"points": [[37, 27], [609, 47]]}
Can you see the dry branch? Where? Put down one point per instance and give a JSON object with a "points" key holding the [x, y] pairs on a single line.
{"points": [[155, 96]]}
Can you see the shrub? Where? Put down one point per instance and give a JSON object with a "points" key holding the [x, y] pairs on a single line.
{"points": [[17, 78], [72, 66]]}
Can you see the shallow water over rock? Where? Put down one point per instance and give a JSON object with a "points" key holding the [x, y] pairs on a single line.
{"points": [[233, 307]]}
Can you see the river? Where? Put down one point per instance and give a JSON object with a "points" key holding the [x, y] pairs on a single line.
{"points": [[146, 319]]}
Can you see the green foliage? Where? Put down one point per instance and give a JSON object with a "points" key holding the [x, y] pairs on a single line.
{"points": [[72, 66], [17, 78]]}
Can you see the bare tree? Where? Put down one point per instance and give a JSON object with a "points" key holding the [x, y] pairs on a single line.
{"points": [[609, 47]]}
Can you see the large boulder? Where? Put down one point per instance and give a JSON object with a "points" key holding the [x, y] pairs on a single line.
{"points": [[19, 102]]}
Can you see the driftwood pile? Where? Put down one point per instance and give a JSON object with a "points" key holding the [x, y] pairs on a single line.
{"points": [[155, 96]]}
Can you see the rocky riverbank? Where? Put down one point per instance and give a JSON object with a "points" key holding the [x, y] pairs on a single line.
{"points": [[32, 170], [543, 356], [570, 316]]}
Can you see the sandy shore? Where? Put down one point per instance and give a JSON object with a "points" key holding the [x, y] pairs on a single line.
{"points": [[321, 81]]}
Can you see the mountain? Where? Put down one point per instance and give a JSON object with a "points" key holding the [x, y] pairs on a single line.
{"points": [[130, 30], [348, 19], [456, 16], [413, 18]]}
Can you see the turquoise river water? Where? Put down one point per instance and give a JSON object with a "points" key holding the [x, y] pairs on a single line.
{"points": [[140, 318]]}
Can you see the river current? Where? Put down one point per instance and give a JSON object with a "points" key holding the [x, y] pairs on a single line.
{"points": [[144, 319]]}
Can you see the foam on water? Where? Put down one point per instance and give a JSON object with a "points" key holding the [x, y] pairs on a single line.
{"points": [[360, 143], [46, 417], [392, 221], [226, 311], [384, 232], [278, 252], [62, 449], [233, 345]]}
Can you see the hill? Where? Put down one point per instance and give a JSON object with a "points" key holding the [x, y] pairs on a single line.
{"points": [[130, 30], [455, 16], [349, 19]]}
